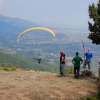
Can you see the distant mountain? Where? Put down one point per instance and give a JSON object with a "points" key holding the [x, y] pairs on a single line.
{"points": [[11, 27], [14, 24]]}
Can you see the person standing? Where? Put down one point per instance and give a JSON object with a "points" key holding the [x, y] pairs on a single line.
{"points": [[77, 61], [62, 63], [88, 56]]}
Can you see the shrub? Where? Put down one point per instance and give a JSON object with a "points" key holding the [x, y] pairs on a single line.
{"points": [[69, 70], [8, 67]]}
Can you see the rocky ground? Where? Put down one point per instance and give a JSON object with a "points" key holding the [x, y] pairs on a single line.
{"points": [[36, 85]]}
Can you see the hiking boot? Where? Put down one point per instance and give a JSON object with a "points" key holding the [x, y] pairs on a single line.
{"points": [[59, 75], [64, 75], [77, 77]]}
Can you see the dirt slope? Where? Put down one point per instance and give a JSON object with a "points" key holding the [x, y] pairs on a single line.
{"points": [[34, 85]]}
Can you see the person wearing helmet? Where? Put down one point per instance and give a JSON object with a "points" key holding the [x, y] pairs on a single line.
{"points": [[88, 56]]}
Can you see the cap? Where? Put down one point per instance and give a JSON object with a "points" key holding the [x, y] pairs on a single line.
{"points": [[61, 50]]}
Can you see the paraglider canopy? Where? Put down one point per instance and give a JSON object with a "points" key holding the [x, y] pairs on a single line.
{"points": [[36, 28]]}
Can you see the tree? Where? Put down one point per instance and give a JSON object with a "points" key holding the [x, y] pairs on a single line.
{"points": [[94, 28]]}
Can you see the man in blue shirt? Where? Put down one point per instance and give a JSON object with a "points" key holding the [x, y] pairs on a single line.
{"points": [[88, 56]]}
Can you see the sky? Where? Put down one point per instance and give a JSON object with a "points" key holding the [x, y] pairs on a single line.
{"points": [[71, 14]]}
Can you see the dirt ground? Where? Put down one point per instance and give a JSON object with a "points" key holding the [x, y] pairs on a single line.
{"points": [[35, 85]]}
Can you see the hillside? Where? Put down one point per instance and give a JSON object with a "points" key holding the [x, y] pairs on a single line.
{"points": [[14, 24], [26, 62], [37, 85]]}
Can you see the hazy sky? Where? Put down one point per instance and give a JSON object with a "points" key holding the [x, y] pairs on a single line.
{"points": [[53, 13]]}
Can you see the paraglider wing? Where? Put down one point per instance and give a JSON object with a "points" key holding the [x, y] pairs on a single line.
{"points": [[36, 28]]}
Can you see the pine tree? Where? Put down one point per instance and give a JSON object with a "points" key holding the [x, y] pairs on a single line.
{"points": [[94, 28]]}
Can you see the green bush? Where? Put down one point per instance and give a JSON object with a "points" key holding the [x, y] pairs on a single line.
{"points": [[8, 67]]}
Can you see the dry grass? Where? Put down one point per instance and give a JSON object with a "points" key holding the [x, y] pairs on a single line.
{"points": [[34, 85]]}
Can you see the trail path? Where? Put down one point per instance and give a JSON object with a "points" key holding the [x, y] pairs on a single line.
{"points": [[34, 85]]}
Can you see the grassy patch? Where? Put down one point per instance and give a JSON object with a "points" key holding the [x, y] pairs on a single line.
{"points": [[69, 70], [8, 67]]}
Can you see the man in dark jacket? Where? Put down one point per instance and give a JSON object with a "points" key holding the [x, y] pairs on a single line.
{"points": [[62, 63]]}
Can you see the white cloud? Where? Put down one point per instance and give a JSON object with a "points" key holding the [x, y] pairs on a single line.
{"points": [[1, 4]]}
